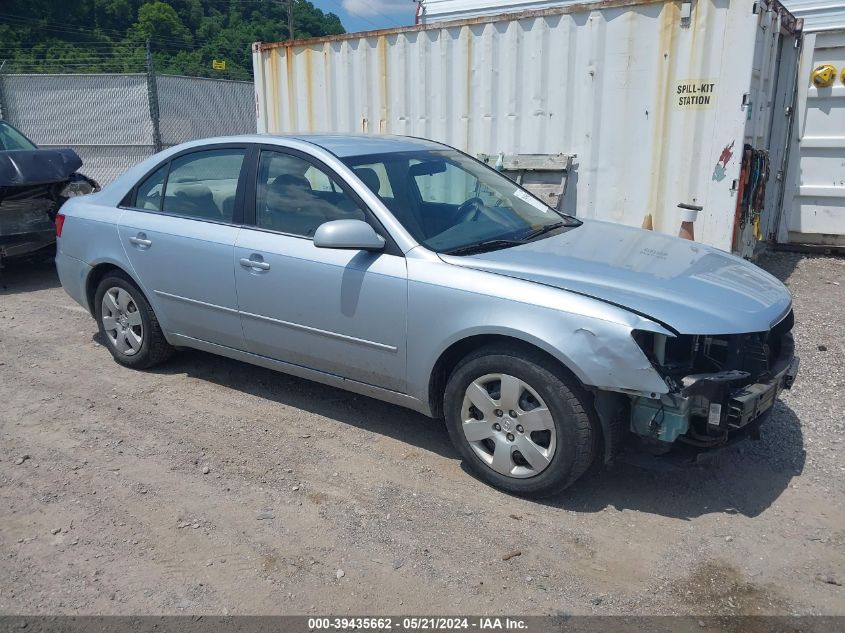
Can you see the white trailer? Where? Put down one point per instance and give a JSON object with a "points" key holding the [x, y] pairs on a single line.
{"points": [[655, 99]]}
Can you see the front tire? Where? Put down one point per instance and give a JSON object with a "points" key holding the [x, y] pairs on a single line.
{"points": [[520, 422], [128, 324]]}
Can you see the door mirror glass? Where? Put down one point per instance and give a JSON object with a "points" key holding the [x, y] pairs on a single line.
{"points": [[350, 234]]}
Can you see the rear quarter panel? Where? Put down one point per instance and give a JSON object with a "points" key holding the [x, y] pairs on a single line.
{"points": [[90, 235]]}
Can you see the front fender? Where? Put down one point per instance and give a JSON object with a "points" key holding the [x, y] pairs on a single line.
{"points": [[591, 338]]}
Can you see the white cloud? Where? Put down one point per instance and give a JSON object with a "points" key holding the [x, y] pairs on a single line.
{"points": [[378, 7]]}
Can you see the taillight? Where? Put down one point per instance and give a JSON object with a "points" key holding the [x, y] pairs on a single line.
{"points": [[60, 223]]}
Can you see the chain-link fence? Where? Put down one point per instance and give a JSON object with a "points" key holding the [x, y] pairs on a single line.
{"points": [[115, 121]]}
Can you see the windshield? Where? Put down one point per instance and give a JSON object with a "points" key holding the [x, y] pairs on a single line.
{"points": [[453, 204], [11, 139]]}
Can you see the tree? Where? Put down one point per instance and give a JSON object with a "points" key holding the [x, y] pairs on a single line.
{"points": [[159, 22], [185, 35]]}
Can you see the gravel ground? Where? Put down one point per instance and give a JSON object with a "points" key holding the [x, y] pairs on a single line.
{"points": [[211, 486]]}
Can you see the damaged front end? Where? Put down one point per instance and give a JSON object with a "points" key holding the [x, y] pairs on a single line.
{"points": [[33, 186], [720, 387]]}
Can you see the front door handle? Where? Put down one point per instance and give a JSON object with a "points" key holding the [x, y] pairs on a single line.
{"points": [[258, 264], [141, 240]]}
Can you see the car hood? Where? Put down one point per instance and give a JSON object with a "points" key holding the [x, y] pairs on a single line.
{"points": [[37, 166], [692, 288]]}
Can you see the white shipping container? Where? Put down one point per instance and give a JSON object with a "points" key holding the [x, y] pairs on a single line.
{"points": [[814, 200], [656, 99]]}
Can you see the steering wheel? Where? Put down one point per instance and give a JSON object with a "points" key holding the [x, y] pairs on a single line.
{"points": [[469, 210]]}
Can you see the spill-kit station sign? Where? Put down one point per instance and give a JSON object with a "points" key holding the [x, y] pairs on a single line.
{"points": [[694, 94]]}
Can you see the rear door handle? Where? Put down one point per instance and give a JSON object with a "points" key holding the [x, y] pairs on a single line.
{"points": [[141, 240], [254, 263]]}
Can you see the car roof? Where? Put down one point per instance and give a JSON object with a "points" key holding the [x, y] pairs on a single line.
{"points": [[341, 145], [345, 145]]}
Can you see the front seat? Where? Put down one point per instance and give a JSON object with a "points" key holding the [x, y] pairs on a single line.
{"points": [[369, 177], [290, 206]]}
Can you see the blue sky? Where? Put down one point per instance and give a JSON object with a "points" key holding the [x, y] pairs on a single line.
{"points": [[366, 15]]}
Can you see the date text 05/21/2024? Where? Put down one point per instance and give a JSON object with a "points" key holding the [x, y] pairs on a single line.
{"points": [[418, 623]]}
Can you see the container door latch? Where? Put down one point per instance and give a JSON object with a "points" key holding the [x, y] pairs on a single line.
{"points": [[686, 13]]}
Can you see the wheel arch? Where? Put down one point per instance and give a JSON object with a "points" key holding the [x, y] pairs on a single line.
{"points": [[601, 407], [98, 271], [457, 350]]}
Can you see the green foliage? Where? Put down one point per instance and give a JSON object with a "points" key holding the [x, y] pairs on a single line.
{"points": [[159, 21], [55, 36]]}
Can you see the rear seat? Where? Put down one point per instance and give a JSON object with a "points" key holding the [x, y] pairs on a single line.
{"points": [[191, 199]]}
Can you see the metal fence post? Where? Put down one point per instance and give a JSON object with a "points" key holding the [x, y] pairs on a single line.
{"points": [[2, 100], [152, 95]]}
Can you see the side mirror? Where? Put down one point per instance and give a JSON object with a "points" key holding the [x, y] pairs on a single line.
{"points": [[351, 234]]}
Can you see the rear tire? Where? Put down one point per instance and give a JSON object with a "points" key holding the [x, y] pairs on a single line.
{"points": [[520, 422], [128, 324]]}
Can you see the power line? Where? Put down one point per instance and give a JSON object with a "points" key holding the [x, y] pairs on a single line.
{"points": [[165, 42], [75, 29], [75, 42], [88, 61], [76, 53], [45, 25]]}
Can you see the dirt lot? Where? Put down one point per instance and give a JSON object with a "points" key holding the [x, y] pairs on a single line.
{"points": [[212, 486]]}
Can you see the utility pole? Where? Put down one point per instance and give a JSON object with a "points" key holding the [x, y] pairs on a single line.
{"points": [[290, 19], [2, 101]]}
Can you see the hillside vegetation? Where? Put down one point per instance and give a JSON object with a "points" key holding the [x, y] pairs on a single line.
{"points": [[53, 36]]}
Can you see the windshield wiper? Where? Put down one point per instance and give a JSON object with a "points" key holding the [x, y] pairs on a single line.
{"points": [[481, 247], [545, 229]]}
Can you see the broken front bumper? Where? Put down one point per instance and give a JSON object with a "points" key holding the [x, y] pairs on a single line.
{"points": [[21, 244], [26, 220], [711, 407]]}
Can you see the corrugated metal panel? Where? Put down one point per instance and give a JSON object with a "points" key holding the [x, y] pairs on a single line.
{"points": [[815, 194], [818, 15], [603, 81]]}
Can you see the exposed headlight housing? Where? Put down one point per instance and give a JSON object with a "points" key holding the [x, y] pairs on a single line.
{"points": [[674, 358], [79, 186]]}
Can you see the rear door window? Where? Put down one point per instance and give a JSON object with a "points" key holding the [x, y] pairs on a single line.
{"points": [[203, 184]]}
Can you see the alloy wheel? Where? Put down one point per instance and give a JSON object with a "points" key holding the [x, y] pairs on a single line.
{"points": [[122, 321]]}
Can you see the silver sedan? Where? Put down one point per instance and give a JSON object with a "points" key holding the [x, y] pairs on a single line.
{"points": [[408, 271]]}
